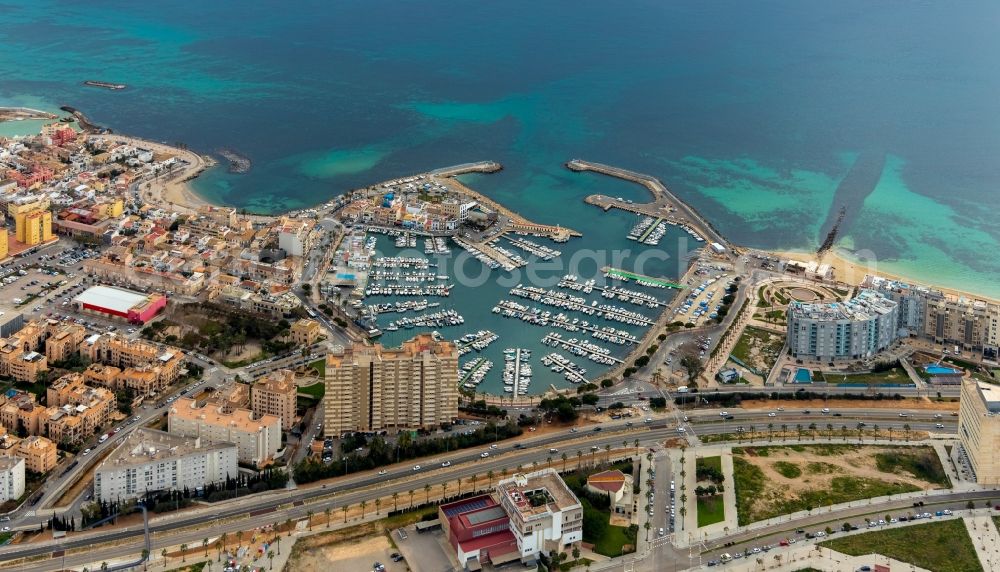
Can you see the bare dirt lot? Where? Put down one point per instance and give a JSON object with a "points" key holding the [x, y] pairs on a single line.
{"points": [[771, 481], [359, 554]]}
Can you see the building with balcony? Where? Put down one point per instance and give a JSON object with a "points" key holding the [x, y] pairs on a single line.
{"points": [[257, 440], [149, 461], [856, 329], [979, 429]]}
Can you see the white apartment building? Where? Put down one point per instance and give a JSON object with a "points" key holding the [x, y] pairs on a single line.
{"points": [[150, 461], [257, 440], [11, 478]]}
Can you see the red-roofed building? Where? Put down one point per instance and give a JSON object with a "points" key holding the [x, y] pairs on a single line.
{"points": [[615, 484], [479, 530]]}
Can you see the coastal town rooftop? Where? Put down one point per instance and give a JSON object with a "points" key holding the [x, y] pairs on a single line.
{"points": [[866, 305]]}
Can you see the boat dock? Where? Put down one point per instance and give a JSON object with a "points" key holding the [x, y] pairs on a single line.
{"points": [[553, 339], [573, 303], [664, 203], [529, 315], [651, 228], [488, 251], [639, 278], [467, 374]]}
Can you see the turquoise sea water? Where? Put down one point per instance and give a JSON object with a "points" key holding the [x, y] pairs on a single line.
{"points": [[752, 111]]}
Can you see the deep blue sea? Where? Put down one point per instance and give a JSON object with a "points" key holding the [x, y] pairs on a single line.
{"points": [[753, 111]]}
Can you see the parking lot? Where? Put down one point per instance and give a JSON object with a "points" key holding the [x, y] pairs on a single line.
{"points": [[424, 552]]}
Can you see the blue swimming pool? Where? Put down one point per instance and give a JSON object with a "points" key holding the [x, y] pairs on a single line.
{"points": [[803, 375], [940, 370]]}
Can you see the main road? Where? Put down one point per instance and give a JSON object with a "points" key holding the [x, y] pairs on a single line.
{"points": [[277, 506]]}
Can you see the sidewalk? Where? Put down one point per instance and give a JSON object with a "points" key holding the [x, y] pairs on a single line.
{"points": [[985, 540]]}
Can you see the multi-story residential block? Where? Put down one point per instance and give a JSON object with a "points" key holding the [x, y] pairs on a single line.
{"points": [[21, 414], [257, 439], [33, 227], [859, 328], [293, 235], [305, 332], [231, 397], [39, 454], [275, 394], [123, 353], [979, 429], [63, 340], [11, 478], [372, 388], [150, 461]]}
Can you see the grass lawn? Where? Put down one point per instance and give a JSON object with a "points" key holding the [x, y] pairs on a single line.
{"points": [[612, 541], [315, 390], [894, 375], [320, 367], [942, 546], [711, 509], [709, 463]]}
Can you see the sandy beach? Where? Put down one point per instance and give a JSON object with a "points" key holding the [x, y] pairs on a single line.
{"points": [[851, 272], [172, 193]]}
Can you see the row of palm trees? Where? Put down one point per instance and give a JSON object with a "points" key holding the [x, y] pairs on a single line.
{"points": [[813, 428], [222, 543]]}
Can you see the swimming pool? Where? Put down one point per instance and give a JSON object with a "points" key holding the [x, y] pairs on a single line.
{"points": [[803, 375], [940, 370]]}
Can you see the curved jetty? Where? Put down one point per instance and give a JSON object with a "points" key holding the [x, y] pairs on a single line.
{"points": [[665, 205]]}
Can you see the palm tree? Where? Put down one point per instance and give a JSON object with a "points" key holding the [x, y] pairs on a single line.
{"points": [[163, 553], [395, 499], [812, 427], [239, 538], [344, 508], [906, 429], [647, 526], [288, 525], [444, 490], [890, 433], [770, 432], [564, 457], [636, 443], [427, 492], [364, 505], [875, 431], [798, 427], [208, 565], [548, 461], [104, 566], [326, 511], [309, 518], [843, 432], [490, 475], [784, 430], [829, 432], [475, 478], [411, 497], [607, 453], [277, 541], [184, 548], [270, 556], [459, 482]]}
